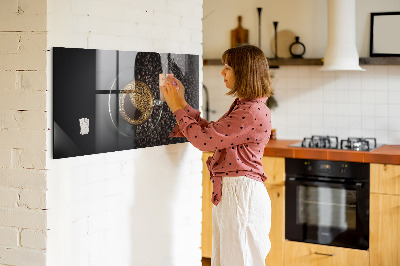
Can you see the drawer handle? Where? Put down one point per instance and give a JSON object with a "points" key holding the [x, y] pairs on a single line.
{"points": [[325, 254]]}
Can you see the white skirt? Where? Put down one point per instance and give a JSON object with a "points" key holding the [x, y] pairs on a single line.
{"points": [[241, 223]]}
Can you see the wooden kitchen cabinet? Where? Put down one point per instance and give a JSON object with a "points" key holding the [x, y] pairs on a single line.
{"points": [[385, 215], [274, 168], [206, 225], [305, 254], [385, 178]]}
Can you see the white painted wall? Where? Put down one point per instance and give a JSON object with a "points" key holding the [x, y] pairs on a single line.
{"points": [[311, 102], [305, 18], [136, 207]]}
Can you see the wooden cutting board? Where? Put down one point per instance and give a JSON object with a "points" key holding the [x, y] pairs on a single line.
{"points": [[239, 35]]}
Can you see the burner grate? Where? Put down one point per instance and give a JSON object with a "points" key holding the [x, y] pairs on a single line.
{"points": [[358, 144]]}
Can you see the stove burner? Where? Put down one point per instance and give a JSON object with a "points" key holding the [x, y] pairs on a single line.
{"points": [[332, 142], [358, 144], [328, 142]]}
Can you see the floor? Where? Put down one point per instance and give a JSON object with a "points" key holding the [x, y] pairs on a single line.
{"points": [[206, 261]]}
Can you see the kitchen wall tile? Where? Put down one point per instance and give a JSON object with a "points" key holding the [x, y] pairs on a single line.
{"points": [[382, 110], [305, 95], [394, 137], [317, 95], [292, 83], [367, 110], [304, 72], [355, 132], [381, 136], [316, 82], [354, 80], [342, 122], [394, 97], [354, 122], [366, 99], [329, 109], [381, 97], [393, 71], [355, 109], [367, 123], [293, 120], [342, 109], [317, 120], [315, 72], [394, 110], [394, 83], [291, 71], [304, 82], [342, 133], [331, 131], [380, 71], [382, 123], [355, 96], [342, 96], [329, 122], [367, 133], [304, 109], [394, 123], [380, 84], [278, 71], [328, 74], [317, 131], [367, 96], [342, 80], [367, 83], [317, 108], [329, 93]]}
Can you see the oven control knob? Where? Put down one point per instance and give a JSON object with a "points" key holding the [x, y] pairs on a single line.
{"points": [[343, 168], [308, 166]]}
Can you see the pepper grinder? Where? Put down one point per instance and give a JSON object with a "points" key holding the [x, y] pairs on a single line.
{"points": [[276, 38]]}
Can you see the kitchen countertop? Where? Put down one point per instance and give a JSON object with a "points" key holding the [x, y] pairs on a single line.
{"points": [[389, 154]]}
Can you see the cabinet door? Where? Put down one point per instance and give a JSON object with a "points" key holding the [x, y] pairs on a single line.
{"points": [[385, 178], [274, 168], [304, 254], [206, 232], [384, 230], [277, 233]]}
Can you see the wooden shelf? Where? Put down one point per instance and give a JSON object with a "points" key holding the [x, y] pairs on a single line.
{"points": [[273, 63], [380, 61]]}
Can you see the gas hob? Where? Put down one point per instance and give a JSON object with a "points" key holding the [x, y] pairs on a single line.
{"points": [[332, 142]]}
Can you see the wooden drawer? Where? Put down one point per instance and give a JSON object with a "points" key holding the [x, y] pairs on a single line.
{"points": [[385, 178], [304, 254]]}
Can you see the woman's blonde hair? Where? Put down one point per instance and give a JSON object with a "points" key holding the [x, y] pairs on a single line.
{"points": [[250, 66]]}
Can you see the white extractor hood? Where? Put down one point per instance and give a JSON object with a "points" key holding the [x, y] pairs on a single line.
{"points": [[341, 51]]}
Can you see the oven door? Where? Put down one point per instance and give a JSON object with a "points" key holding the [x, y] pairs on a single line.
{"points": [[327, 213]]}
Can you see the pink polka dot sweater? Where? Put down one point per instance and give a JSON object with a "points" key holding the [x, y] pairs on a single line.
{"points": [[238, 139]]}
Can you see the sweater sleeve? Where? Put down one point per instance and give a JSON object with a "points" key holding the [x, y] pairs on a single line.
{"points": [[234, 129], [193, 113]]}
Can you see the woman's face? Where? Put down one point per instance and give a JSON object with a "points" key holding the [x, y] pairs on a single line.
{"points": [[229, 76]]}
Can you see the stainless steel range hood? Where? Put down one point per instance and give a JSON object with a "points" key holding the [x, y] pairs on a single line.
{"points": [[341, 51]]}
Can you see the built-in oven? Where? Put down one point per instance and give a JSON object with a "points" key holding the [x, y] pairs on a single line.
{"points": [[327, 202]]}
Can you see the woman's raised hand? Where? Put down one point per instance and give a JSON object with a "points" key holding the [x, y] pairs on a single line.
{"points": [[174, 93]]}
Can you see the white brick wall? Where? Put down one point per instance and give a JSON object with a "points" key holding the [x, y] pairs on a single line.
{"points": [[137, 207], [23, 218], [108, 209]]}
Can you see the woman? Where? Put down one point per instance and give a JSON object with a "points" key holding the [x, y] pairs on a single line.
{"points": [[242, 208]]}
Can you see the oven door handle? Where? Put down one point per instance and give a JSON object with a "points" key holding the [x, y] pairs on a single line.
{"points": [[352, 185]]}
